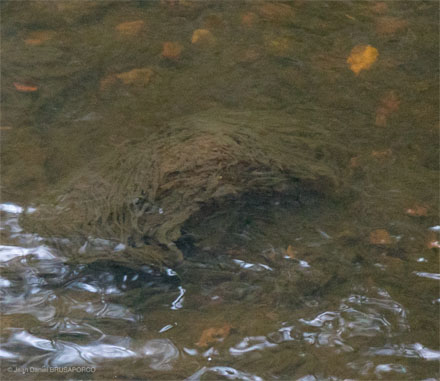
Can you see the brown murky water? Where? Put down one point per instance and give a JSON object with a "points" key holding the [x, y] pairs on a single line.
{"points": [[310, 288]]}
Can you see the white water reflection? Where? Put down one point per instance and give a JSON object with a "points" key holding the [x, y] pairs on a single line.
{"points": [[161, 352], [10, 252], [81, 310], [427, 275], [177, 303], [225, 371], [11, 208], [250, 344], [416, 350], [252, 266]]}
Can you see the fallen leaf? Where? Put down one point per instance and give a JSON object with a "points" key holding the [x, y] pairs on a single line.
{"points": [[172, 50], [389, 103], [136, 76], [272, 315], [108, 81], [213, 21], [291, 252], [354, 162], [380, 237], [25, 88], [213, 335], [382, 155], [38, 38], [130, 28], [276, 12], [278, 46], [249, 55], [249, 19], [417, 211], [202, 36], [362, 57], [390, 25], [379, 7], [433, 245]]}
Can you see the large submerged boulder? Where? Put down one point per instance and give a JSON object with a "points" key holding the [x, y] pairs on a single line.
{"points": [[143, 193]]}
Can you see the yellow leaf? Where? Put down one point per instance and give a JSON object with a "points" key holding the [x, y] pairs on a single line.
{"points": [[277, 12], [38, 38], [212, 335], [130, 28], [380, 237], [136, 76], [202, 36], [388, 104], [291, 252], [25, 88], [362, 57], [417, 211], [172, 50]]}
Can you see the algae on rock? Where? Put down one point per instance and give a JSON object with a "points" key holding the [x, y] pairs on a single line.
{"points": [[144, 192]]}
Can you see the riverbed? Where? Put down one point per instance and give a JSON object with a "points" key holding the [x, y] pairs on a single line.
{"points": [[322, 285]]}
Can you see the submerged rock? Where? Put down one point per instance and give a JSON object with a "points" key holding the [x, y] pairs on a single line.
{"points": [[144, 192]]}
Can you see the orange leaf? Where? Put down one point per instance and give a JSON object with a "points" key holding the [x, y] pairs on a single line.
{"points": [[172, 50], [136, 76], [389, 103], [213, 335], [354, 162], [380, 7], [38, 38], [249, 19], [417, 211], [277, 12], [25, 88], [362, 57], [291, 252], [130, 28], [382, 155], [380, 237], [108, 81], [390, 25], [202, 36], [434, 245]]}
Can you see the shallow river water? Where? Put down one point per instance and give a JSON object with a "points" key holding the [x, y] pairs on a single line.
{"points": [[271, 288]]}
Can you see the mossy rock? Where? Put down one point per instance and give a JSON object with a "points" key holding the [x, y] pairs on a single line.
{"points": [[143, 192]]}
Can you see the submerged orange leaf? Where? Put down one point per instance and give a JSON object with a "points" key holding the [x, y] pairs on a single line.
{"points": [[382, 155], [136, 76], [38, 38], [354, 162], [362, 57], [107, 82], [291, 252], [276, 12], [213, 335], [25, 88], [389, 103], [248, 19], [433, 245], [130, 28], [380, 7], [390, 25], [172, 50], [202, 36], [417, 211], [380, 237]]}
